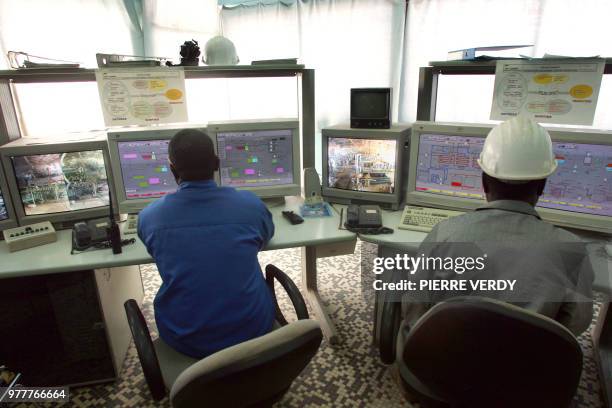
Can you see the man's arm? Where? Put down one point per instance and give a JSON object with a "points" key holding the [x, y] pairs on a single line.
{"points": [[267, 225]]}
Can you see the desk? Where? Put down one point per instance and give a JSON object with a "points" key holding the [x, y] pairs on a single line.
{"points": [[318, 237], [602, 332]]}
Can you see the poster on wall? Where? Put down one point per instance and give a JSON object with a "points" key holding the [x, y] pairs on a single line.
{"points": [[142, 96], [549, 91]]}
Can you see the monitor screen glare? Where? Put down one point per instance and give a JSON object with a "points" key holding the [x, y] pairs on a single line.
{"points": [[3, 210], [582, 182], [362, 164], [54, 183], [257, 158], [145, 169]]}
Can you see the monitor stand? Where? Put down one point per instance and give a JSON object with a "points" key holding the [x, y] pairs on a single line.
{"points": [[272, 202]]}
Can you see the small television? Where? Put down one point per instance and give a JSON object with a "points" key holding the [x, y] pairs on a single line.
{"points": [[139, 160], [58, 181], [444, 173], [262, 156], [364, 166], [7, 214], [371, 108]]}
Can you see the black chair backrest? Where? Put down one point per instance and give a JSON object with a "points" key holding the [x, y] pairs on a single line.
{"points": [[476, 352], [145, 349]]}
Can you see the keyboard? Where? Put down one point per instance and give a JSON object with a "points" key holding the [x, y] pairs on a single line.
{"points": [[423, 218], [131, 224]]}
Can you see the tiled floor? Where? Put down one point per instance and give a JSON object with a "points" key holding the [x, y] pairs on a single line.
{"points": [[347, 375]]}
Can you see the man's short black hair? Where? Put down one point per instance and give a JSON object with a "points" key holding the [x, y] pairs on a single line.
{"points": [[192, 154], [506, 191]]}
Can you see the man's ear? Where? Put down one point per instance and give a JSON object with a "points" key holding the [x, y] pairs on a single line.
{"points": [[485, 184], [541, 187], [175, 174]]}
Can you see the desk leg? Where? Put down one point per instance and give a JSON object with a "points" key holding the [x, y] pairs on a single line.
{"points": [[602, 348], [309, 281]]}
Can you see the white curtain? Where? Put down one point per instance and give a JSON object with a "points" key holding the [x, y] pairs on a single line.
{"points": [[561, 27], [349, 44], [73, 30], [167, 24]]}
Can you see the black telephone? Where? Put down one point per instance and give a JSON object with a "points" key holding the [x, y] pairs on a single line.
{"points": [[363, 216], [365, 219]]}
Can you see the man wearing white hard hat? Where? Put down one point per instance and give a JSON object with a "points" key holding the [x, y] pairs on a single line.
{"points": [[550, 265]]}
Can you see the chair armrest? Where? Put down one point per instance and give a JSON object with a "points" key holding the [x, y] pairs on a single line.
{"points": [[389, 328], [272, 272], [145, 349]]}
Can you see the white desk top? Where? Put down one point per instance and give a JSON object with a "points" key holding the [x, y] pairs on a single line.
{"points": [[55, 257]]}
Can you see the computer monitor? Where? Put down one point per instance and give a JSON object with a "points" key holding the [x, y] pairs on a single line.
{"points": [[57, 181], [364, 165], [7, 214], [262, 156], [444, 173], [139, 159]]}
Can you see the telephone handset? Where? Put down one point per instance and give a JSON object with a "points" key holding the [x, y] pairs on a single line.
{"points": [[363, 216]]}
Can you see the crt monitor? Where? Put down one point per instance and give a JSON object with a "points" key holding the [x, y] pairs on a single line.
{"points": [[578, 194], [364, 165], [139, 159], [7, 215], [262, 156], [57, 181]]}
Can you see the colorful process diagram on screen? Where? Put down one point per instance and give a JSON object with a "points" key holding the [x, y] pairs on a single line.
{"points": [[256, 158], [142, 96], [582, 182], [145, 169], [362, 164], [549, 91], [54, 183]]}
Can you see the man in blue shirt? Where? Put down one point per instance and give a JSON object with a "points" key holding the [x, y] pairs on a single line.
{"points": [[205, 241]]}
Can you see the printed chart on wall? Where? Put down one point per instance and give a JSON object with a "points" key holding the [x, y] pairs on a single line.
{"points": [[142, 96], [549, 91]]}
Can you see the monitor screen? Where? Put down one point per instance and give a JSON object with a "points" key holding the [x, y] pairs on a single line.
{"points": [[256, 158], [145, 168], [447, 165], [582, 182], [61, 182], [3, 209], [583, 179], [369, 104], [361, 164]]}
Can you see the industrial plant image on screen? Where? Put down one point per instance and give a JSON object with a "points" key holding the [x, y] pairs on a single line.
{"points": [[3, 211], [145, 169], [52, 183], [362, 164], [257, 158]]}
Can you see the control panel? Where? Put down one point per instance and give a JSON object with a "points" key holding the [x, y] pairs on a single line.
{"points": [[29, 236]]}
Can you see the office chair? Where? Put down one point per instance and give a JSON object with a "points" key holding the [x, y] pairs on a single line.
{"points": [[255, 373], [478, 352]]}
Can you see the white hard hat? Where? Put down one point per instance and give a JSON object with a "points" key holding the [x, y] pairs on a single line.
{"points": [[518, 150], [220, 51]]}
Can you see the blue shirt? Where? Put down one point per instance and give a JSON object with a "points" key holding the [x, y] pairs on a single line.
{"points": [[204, 240]]}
